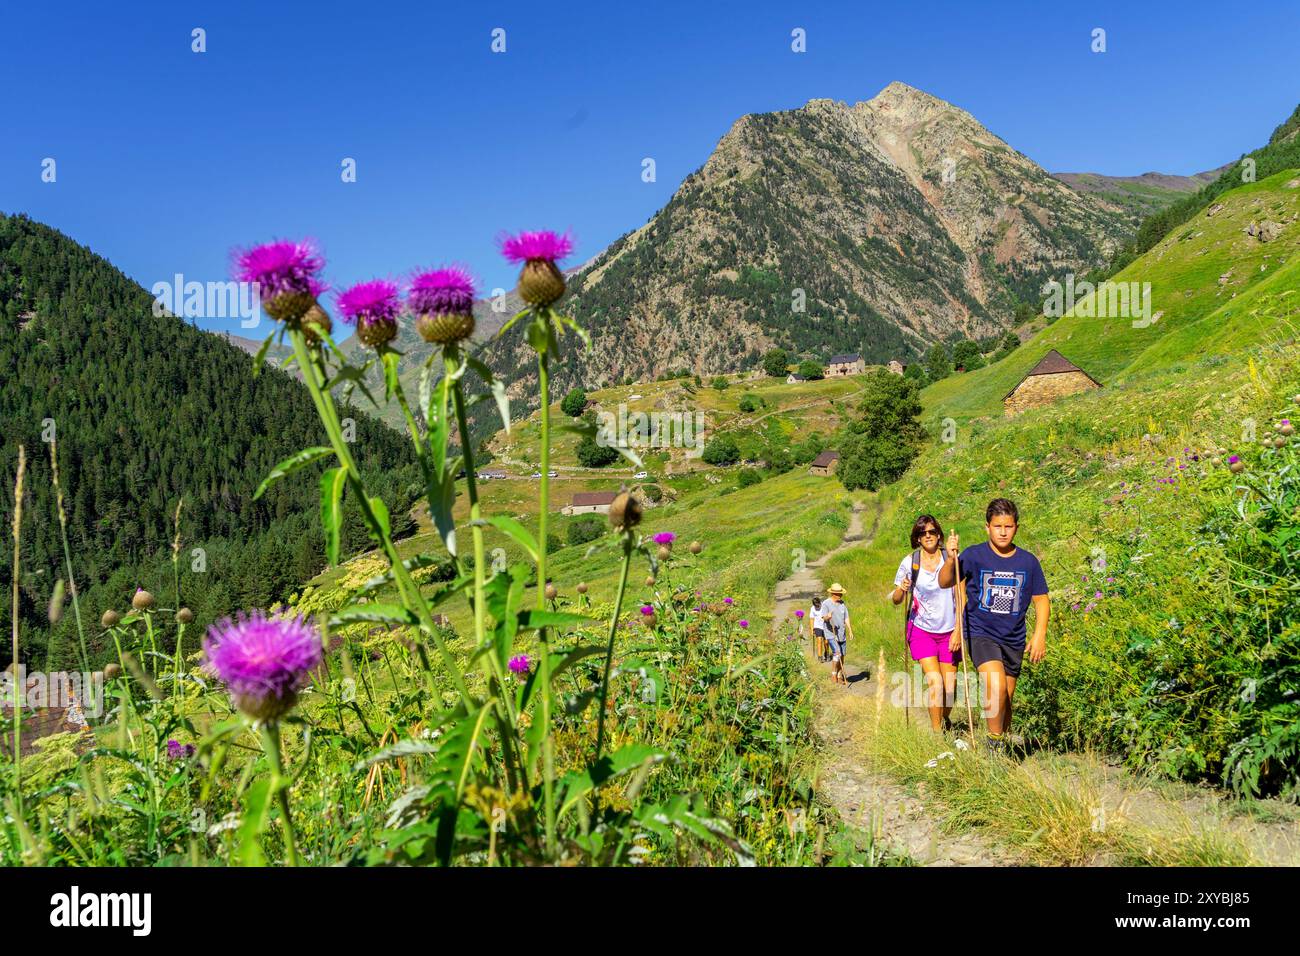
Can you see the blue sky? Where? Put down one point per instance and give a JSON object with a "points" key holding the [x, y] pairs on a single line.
{"points": [[166, 157]]}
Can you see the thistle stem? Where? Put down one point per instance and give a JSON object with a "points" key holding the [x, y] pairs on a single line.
{"points": [[548, 741], [609, 651], [410, 593], [280, 786], [452, 360]]}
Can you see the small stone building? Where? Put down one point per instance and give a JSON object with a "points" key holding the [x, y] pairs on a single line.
{"points": [[794, 378], [824, 464], [1052, 378], [849, 364], [897, 367], [590, 502]]}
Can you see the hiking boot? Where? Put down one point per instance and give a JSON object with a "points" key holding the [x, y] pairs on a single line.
{"points": [[997, 744]]}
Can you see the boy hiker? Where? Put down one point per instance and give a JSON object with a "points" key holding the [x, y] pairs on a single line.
{"points": [[819, 630], [1001, 580], [838, 630]]}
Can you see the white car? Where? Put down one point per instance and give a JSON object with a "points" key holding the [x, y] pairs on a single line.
{"points": [[537, 474], [552, 474], [640, 474]]}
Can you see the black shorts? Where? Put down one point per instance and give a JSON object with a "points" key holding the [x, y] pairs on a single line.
{"points": [[984, 649]]}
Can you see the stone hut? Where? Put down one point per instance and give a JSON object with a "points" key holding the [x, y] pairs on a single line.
{"points": [[590, 502], [1052, 378], [824, 464]]}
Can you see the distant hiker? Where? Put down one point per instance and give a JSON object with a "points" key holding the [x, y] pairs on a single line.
{"points": [[818, 630], [1000, 580], [931, 638], [838, 630]]}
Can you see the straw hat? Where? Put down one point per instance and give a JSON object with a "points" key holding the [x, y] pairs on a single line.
{"points": [[835, 589]]}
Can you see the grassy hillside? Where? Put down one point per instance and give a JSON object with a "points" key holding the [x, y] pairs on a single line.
{"points": [[1198, 315], [1175, 639]]}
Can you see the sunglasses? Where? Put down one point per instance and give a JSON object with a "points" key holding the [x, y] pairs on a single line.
{"points": [[929, 533]]}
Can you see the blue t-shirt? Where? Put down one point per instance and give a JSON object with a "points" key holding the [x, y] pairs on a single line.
{"points": [[998, 592]]}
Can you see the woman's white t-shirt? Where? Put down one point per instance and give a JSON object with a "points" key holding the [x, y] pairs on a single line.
{"points": [[931, 605]]}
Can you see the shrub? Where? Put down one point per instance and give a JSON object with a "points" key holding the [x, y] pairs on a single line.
{"points": [[574, 403], [721, 451]]}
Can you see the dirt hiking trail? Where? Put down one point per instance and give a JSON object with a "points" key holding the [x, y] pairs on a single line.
{"points": [[899, 819]]}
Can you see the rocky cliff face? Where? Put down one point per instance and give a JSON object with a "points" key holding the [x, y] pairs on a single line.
{"points": [[880, 228]]}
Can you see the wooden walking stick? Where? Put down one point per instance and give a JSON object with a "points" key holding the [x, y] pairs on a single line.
{"points": [[961, 633]]}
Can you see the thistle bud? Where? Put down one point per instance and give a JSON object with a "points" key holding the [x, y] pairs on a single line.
{"points": [[112, 671], [185, 615], [650, 581], [664, 552], [110, 618], [1279, 441], [696, 547], [540, 282], [551, 592], [445, 329], [143, 600], [582, 588], [315, 324], [624, 513]]}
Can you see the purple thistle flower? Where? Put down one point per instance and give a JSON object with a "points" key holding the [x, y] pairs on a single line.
{"points": [[373, 306], [177, 751], [519, 664], [448, 290], [284, 273], [263, 661], [665, 537], [371, 301], [647, 610], [1097, 595], [799, 613], [743, 623], [1233, 459], [726, 601], [531, 246]]}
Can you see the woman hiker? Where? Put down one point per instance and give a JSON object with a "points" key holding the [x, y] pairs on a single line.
{"points": [[931, 623], [838, 630]]}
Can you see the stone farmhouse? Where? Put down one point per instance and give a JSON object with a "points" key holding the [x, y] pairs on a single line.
{"points": [[1052, 378]]}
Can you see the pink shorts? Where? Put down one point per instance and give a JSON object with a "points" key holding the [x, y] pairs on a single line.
{"points": [[928, 644]]}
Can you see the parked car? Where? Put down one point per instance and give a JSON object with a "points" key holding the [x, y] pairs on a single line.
{"points": [[641, 474], [552, 474]]}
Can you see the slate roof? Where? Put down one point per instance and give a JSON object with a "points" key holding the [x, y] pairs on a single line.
{"points": [[1053, 363], [825, 458], [585, 499], [846, 359]]}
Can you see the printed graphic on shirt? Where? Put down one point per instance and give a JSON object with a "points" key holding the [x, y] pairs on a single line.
{"points": [[1000, 591]]}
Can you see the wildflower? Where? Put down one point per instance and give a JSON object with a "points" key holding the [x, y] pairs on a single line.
{"points": [[647, 609], [743, 623], [284, 273], [551, 592], [799, 614], [726, 601], [582, 587], [519, 664], [665, 537], [373, 307], [443, 302], [185, 615], [696, 547], [1236, 465], [143, 600], [178, 751], [263, 661], [540, 281], [1097, 595]]}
